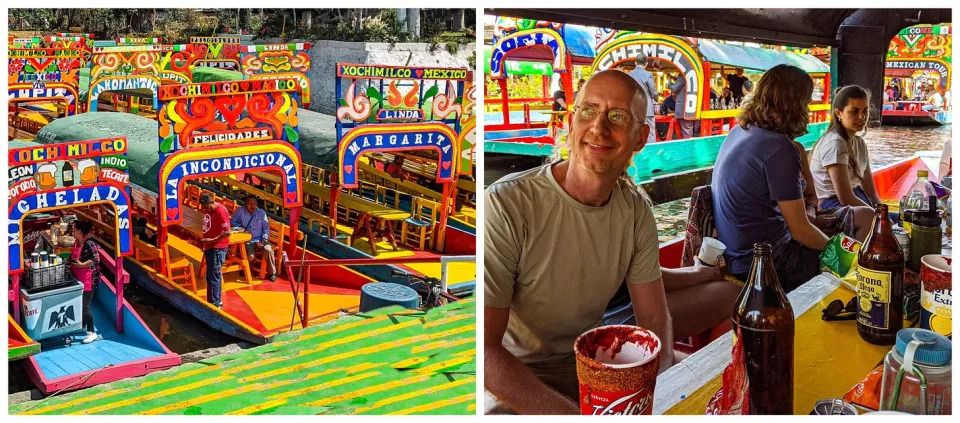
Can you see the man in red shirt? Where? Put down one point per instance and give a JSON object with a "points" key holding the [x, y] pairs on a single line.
{"points": [[216, 239]]}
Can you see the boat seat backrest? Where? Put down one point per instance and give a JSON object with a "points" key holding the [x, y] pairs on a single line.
{"points": [[700, 223]]}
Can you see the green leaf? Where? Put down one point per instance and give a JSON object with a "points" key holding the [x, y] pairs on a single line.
{"points": [[292, 134], [343, 103], [373, 93], [167, 144], [432, 91]]}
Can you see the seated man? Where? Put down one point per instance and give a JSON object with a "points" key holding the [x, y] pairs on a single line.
{"points": [[935, 99], [395, 169], [253, 219], [142, 231], [539, 297]]}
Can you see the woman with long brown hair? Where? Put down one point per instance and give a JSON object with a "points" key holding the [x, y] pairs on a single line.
{"points": [[757, 193], [839, 161]]}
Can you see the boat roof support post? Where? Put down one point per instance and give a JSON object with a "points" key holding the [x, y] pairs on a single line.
{"points": [[566, 78], [118, 282], [16, 297], [334, 196], [444, 213], [505, 100]]}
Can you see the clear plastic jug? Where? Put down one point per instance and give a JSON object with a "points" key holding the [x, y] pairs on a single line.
{"points": [[916, 374], [917, 199]]}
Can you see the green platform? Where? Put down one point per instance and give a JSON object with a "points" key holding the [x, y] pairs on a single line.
{"points": [[391, 361]]}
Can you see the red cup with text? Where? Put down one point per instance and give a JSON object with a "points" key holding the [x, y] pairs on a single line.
{"points": [[617, 367]]}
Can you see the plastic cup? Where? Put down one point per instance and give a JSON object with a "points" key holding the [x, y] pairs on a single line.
{"points": [[710, 251], [617, 367]]}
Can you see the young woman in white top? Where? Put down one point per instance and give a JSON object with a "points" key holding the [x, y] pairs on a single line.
{"points": [[839, 161]]}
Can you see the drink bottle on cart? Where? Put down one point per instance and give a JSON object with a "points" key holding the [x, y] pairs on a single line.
{"points": [[880, 283], [764, 319]]}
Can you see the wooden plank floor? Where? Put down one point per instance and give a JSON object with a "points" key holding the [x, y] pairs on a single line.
{"points": [[57, 360], [391, 361]]}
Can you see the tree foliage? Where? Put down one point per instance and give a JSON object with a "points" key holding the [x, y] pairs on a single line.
{"points": [[438, 26]]}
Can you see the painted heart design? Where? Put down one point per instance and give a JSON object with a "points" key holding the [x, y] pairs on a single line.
{"points": [[231, 107], [419, 73], [291, 197], [172, 214], [348, 169], [446, 165]]}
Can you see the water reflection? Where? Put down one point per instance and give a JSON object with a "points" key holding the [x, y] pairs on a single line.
{"points": [[889, 144]]}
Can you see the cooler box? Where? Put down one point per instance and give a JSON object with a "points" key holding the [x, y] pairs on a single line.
{"points": [[51, 313]]}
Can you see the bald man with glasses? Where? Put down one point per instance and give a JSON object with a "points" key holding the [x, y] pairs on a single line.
{"points": [[559, 241]]}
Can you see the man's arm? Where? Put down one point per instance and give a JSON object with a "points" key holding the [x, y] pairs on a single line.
{"points": [[800, 227], [510, 380], [235, 220], [650, 308], [684, 277], [265, 233]]}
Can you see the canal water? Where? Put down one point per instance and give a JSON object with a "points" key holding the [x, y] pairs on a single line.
{"points": [[887, 144]]}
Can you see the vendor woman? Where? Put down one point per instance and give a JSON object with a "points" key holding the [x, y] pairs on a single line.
{"points": [[85, 266]]}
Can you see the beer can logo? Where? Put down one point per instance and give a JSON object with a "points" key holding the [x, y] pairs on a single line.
{"points": [[88, 171], [47, 176], [616, 403], [617, 370]]}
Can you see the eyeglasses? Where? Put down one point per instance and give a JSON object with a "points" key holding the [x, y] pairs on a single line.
{"points": [[617, 117], [836, 311]]}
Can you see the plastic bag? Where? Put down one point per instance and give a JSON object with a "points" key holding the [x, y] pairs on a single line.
{"points": [[732, 398]]}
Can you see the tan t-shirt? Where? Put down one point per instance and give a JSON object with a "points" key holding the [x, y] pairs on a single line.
{"points": [[831, 150], [556, 263]]}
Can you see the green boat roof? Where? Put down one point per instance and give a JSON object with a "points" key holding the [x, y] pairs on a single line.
{"points": [[318, 141], [756, 58], [514, 67]]}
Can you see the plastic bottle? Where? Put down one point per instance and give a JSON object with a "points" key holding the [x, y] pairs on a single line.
{"points": [[917, 198]]}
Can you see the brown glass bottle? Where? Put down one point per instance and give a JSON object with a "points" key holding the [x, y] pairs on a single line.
{"points": [[764, 318], [880, 283]]}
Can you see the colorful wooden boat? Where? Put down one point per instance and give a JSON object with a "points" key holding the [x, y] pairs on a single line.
{"points": [[19, 345], [43, 84], [911, 114], [127, 347], [527, 127], [918, 56]]}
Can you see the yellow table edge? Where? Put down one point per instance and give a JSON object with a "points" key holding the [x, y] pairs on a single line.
{"points": [[687, 387]]}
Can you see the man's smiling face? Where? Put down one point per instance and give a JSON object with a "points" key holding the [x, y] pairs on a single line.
{"points": [[599, 144]]}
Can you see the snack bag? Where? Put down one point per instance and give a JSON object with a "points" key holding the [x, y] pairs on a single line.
{"points": [[840, 255], [867, 393], [732, 398]]}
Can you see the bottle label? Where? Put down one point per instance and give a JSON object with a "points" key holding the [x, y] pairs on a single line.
{"points": [[873, 290], [936, 313]]}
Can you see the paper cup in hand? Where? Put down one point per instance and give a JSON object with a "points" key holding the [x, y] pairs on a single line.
{"points": [[617, 368], [710, 251]]}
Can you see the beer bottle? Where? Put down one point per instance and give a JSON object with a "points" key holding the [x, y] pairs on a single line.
{"points": [[764, 318], [67, 173], [880, 283]]}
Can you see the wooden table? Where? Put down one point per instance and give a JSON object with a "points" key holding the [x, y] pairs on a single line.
{"points": [[368, 211], [829, 357], [193, 224]]}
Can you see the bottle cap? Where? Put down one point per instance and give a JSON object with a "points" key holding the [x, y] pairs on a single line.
{"points": [[922, 173], [935, 350]]}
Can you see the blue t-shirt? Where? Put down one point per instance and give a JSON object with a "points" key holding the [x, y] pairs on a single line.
{"points": [[755, 169]]}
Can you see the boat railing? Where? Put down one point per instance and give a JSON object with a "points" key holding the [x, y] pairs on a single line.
{"points": [[303, 268]]}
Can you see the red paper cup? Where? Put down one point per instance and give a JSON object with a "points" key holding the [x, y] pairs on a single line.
{"points": [[617, 368]]}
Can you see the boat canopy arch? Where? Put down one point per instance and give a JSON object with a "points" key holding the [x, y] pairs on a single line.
{"points": [[34, 188]]}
